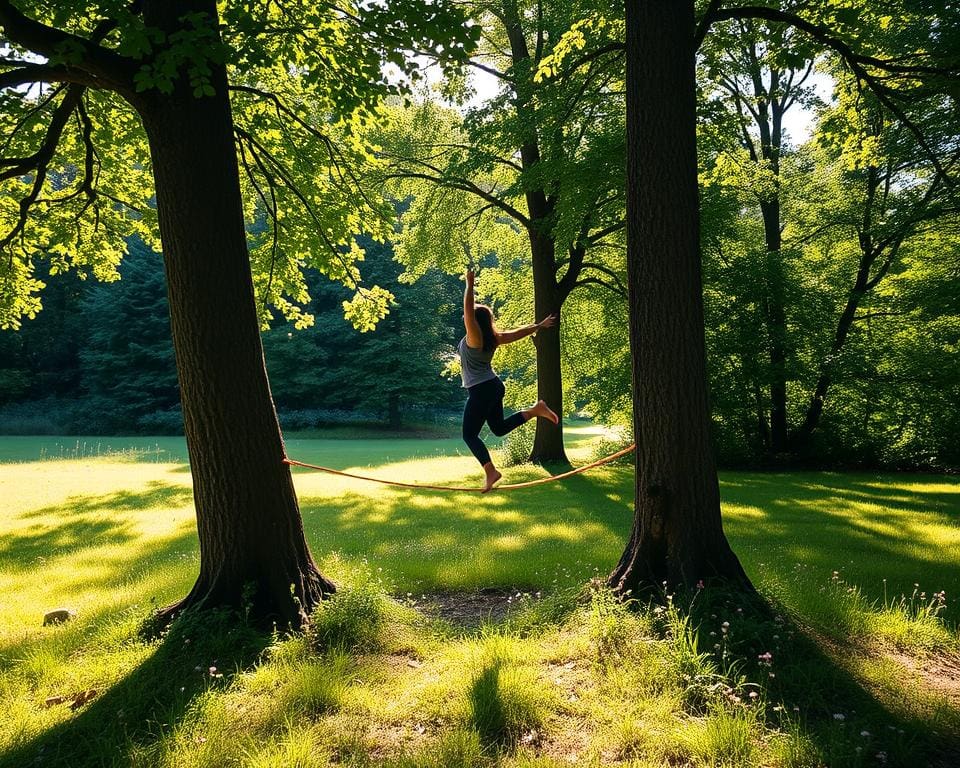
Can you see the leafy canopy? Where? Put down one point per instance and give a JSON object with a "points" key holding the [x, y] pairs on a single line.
{"points": [[306, 83]]}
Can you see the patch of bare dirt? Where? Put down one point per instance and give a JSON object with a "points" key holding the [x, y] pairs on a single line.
{"points": [[939, 673], [471, 609]]}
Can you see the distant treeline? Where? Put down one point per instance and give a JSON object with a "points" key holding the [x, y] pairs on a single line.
{"points": [[99, 360]]}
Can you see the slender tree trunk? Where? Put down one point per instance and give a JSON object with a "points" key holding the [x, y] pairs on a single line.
{"points": [[776, 318], [870, 252], [393, 411], [548, 438], [253, 554], [677, 533]]}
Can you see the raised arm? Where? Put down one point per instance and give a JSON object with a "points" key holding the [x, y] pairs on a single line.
{"points": [[515, 334], [474, 335]]}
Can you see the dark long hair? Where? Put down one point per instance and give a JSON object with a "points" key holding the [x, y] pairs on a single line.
{"points": [[484, 316]]}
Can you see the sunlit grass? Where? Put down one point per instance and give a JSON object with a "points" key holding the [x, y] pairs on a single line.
{"points": [[375, 683]]}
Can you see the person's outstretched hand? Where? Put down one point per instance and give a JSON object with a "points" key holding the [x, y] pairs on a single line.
{"points": [[548, 321], [469, 276]]}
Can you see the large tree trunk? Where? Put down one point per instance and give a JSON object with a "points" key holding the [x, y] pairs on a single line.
{"points": [[677, 533], [253, 554]]}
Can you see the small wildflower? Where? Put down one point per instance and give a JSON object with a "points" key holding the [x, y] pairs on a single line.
{"points": [[839, 716], [700, 584], [753, 694], [865, 734]]}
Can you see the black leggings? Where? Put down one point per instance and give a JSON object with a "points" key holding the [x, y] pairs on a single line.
{"points": [[485, 404]]}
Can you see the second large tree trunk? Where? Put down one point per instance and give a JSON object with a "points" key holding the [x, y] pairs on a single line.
{"points": [[253, 554], [677, 533]]}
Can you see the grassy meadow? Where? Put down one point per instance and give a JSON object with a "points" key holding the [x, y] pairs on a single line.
{"points": [[464, 633]]}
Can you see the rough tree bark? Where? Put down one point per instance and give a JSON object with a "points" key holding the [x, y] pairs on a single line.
{"points": [[677, 533], [253, 553]]}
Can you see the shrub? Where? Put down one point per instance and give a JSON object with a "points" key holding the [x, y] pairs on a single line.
{"points": [[516, 447], [352, 619]]}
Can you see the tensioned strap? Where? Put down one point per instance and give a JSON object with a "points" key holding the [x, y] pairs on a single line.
{"points": [[508, 487]]}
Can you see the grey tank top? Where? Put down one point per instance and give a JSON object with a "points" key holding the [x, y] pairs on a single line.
{"points": [[475, 367]]}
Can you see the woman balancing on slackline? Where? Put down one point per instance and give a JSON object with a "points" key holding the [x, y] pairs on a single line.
{"points": [[484, 388]]}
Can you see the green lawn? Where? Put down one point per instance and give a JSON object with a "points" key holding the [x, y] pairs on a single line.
{"points": [[111, 533]]}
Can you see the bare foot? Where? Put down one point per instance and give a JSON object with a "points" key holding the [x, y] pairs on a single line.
{"points": [[543, 410], [493, 476]]}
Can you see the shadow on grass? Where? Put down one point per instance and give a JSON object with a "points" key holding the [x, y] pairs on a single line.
{"points": [[526, 539], [156, 494], [150, 701], [878, 534], [809, 688], [83, 522]]}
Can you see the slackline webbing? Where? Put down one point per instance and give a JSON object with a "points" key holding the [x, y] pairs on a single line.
{"points": [[507, 487]]}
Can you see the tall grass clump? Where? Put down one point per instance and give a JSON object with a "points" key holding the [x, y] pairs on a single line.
{"points": [[615, 626], [504, 698], [914, 622], [355, 618], [456, 749], [724, 738], [697, 673]]}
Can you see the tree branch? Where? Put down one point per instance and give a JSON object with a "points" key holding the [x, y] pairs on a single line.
{"points": [[437, 176], [39, 161], [597, 281], [107, 68], [857, 62]]}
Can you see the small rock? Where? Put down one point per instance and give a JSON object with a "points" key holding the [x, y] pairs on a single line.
{"points": [[82, 698], [58, 616]]}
